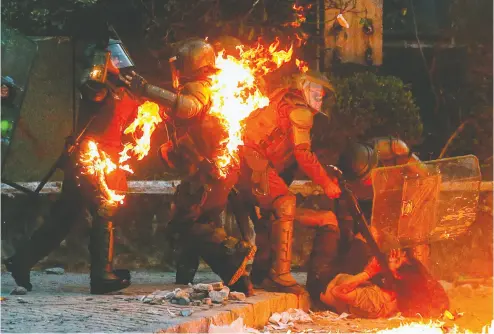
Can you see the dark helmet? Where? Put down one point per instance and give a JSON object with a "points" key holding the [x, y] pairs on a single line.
{"points": [[357, 161], [119, 55], [193, 58]]}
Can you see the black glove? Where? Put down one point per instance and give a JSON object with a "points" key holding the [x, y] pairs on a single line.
{"points": [[136, 83]]}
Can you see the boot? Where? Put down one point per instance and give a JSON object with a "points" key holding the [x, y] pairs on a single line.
{"points": [[57, 225], [187, 265], [322, 262], [103, 278], [279, 277], [227, 256], [262, 260]]}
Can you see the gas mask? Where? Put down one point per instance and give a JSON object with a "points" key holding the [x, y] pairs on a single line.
{"points": [[119, 56]]}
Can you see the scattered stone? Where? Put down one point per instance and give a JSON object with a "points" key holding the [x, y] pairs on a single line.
{"points": [[181, 293], [234, 295], [219, 296], [22, 301], [55, 271], [201, 287], [198, 295], [174, 301], [89, 298], [207, 301], [186, 312], [217, 286], [18, 290], [196, 302], [182, 301]]}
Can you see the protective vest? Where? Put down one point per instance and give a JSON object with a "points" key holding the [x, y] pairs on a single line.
{"points": [[268, 132]]}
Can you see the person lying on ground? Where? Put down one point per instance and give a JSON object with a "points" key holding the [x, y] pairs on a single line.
{"points": [[415, 293]]}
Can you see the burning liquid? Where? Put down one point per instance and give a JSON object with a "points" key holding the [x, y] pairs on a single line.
{"points": [[98, 164], [235, 92]]}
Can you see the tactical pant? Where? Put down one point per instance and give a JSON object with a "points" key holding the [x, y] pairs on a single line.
{"points": [[196, 207], [79, 194]]}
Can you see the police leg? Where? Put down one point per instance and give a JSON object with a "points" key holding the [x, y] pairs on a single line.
{"points": [[279, 277], [262, 260], [56, 226], [227, 256], [101, 248], [322, 266]]}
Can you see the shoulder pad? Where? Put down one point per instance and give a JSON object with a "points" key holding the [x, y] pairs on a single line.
{"points": [[201, 90], [302, 117]]}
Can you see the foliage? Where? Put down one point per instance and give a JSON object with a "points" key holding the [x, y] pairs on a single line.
{"points": [[368, 106], [472, 103]]}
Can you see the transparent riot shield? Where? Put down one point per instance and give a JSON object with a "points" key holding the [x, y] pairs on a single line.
{"points": [[425, 202], [18, 53]]}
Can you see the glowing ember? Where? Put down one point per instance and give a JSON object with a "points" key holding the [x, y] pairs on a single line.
{"points": [[147, 118], [433, 328], [235, 92], [303, 66], [97, 163], [299, 16]]}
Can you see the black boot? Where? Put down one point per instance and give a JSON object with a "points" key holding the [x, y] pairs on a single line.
{"points": [[322, 262], [262, 260], [103, 278], [187, 265], [227, 256]]}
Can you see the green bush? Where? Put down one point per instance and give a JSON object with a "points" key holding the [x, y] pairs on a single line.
{"points": [[368, 106]]}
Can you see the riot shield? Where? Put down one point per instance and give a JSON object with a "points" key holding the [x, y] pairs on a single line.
{"points": [[411, 209], [18, 53]]}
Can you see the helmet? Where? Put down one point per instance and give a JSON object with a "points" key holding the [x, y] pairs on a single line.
{"points": [[357, 161], [314, 86], [192, 58], [228, 44]]}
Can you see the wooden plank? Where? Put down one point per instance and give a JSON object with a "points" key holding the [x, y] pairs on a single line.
{"points": [[354, 46]]}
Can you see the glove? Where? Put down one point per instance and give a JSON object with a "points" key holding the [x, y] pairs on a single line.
{"points": [[373, 268], [136, 83], [332, 190]]}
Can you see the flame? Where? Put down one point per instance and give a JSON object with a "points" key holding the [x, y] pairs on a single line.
{"points": [[303, 66], [299, 16], [235, 92], [436, 327], [147, 118], [98, 163]]}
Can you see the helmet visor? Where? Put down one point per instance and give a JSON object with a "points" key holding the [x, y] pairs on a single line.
{"points": [[119, 56]]}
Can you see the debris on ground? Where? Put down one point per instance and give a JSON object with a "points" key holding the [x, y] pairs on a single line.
{"points": [[329, 315], [219, 296], [236, 326], [19, 290], [234, 295], [287, 319], [55, 271]]}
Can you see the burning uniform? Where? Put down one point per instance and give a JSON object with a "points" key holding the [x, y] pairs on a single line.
{"points": [[275, 138], [199, 136], [107, 109]]}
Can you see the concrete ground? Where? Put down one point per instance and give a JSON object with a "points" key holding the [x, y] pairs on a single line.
{"points": [[62, 303]]}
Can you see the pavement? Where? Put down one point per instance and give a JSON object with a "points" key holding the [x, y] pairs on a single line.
{"points": [[62, 303]]}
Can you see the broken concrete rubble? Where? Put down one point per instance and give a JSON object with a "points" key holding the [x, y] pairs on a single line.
{"points": [[219, 296], [234, 295]]}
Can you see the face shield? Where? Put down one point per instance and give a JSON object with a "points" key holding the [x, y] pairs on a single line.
{"points": [[119, 56], [314, 90]]}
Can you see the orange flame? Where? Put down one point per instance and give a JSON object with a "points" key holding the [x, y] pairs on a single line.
{"points": [[98, 163], [299, 16], [303, 66], [436, 327], [235, 92], [147, 118]]}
